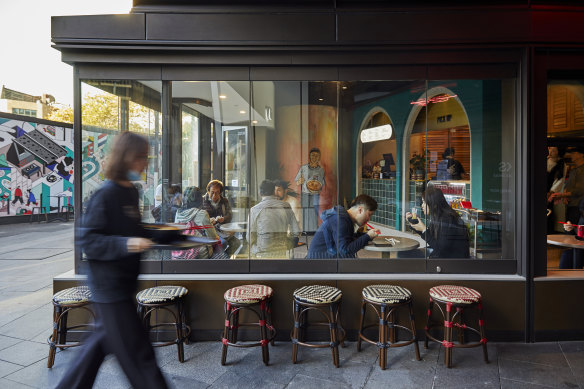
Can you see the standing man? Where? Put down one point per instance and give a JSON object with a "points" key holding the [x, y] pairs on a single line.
{"points": [[311, 178], [574, 188], [336, 237], [281, 193], [273, 229]]}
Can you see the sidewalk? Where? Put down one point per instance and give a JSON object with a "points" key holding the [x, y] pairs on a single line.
{"points": [[33, 253]]}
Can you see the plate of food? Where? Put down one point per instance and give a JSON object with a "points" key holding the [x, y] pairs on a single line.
{"points": [[313, 185]]}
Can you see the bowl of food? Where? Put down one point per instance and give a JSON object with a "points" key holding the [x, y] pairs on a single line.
{"points": [[164, 233]]}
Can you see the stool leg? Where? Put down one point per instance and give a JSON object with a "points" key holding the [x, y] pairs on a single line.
{"points": [[179, 333], [383, 333], [448, 336], [339, 326], [413, 326], [334, 334], [482, 331], [430, 306], [362, 321], [295, 330], [392, 336], [183, 316], [235, 326], [226, 333], [269, 319], [264, 334], [62, 339], [54, 337], [460, 328]]}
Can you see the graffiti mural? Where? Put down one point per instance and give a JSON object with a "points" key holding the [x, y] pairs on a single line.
{"points": [[36, 167]]}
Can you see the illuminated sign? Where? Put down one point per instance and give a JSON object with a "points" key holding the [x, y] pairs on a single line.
{"points": [[436, 99], [376, 133]]}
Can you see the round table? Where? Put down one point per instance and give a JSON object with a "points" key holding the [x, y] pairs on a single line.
{"points": [[234, 227], [401, 244], [570, 241]]}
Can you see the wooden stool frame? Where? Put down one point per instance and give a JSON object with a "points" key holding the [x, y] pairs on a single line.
{"points": [[59, 336], [183, 330], [337, 333], [264, 322], [387, 316], [455, 320]]}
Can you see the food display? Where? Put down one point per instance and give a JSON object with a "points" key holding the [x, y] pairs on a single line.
{"points": [[313, 185]]}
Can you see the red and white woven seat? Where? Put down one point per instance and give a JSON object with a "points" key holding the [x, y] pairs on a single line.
{"points": [[455, 294], [248, 294]]}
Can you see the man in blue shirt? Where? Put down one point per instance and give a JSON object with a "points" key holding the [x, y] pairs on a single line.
{"points": [[336, 236]]}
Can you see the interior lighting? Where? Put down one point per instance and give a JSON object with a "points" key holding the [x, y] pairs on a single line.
{"points": [[254, 122], [222, 96], [321, 99], [374, 134], [242, 112]]}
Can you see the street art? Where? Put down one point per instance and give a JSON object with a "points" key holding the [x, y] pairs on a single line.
{"points": [[36, 167]]}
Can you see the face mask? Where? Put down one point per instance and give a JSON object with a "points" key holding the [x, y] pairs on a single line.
{"points": [[134, 175]]}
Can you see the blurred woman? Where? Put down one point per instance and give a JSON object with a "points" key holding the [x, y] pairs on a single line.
{"points": [[446, 234], [112, 238], [198, 223]]}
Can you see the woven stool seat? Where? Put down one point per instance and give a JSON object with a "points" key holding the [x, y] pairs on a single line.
{"points": [[161, 294], [75, 295], [455, 294], [318, 294], [386, 294], [248, 294]]}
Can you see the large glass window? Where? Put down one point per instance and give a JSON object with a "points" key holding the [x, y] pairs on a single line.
{"points": [[262, 165], [565, 174]]}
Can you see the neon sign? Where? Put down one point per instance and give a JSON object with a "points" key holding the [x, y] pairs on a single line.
{"points": [[436, 99]]}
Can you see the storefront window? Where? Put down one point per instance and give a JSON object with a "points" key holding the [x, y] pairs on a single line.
{"points": [[261, 165], [565, 181]]}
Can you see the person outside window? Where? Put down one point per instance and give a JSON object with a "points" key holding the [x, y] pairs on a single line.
{"points": [[446, 234], [273, 229], [336, 236], [112, 238]]}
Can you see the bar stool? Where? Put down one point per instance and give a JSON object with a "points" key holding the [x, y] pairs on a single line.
{"points": [[248, 297], [165, 298], [78, 297], [326, 300], [385, 300], [460, 298]]}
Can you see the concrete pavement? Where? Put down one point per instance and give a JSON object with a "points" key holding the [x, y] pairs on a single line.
{"points": [[32, 254]]}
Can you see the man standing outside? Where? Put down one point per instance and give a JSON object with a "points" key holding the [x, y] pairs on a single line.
{"points": [[269, 223], [336, 237], [281, 193], [311, 178]]}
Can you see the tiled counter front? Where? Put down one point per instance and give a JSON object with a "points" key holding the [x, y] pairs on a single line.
{"points": [[384, 191]]}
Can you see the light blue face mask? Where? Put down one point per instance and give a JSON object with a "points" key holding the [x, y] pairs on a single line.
{"points": [[134, 175]]}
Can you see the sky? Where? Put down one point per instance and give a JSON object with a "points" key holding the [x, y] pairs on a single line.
{"points": [[28, 63]]}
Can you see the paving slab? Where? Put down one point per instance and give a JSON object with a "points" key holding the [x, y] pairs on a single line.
{"points": [[33, 254], [537, 373], [25, 353]]}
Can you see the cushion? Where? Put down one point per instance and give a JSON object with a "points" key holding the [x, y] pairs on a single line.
{"points": [[75, 295], [318, 294], [248, 294], [161, 294], [455, 294], [386, 294]]}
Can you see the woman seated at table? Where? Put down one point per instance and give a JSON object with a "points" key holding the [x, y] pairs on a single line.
{"points": [[198, 224], [446, 234]]}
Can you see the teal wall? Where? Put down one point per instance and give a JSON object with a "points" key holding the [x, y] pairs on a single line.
{"points": [[481, 99]]}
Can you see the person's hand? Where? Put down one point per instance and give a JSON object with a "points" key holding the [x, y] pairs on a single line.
{"points": [[419, 226], [408, 215], [300, 181], [373, 233], [213, 221], [138, 245], [568, 226], [219, 219]]}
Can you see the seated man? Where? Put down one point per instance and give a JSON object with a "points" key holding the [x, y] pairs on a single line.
{"points": [[269, 223], [219, 210], [336, 236]]}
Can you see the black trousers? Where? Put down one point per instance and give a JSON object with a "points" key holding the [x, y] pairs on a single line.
{"points": [[118, 331]]}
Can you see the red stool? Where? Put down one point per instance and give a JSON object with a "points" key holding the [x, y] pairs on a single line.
{"points": [[248, 297], [455, 298]]}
